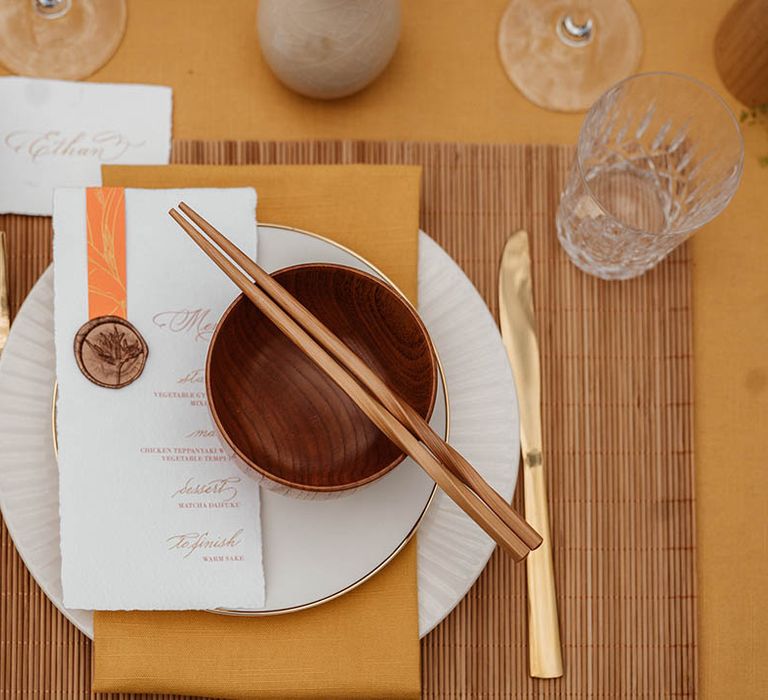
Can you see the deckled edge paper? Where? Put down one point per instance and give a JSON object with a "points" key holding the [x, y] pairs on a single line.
{"points": [[154, 514], [57, 133]]}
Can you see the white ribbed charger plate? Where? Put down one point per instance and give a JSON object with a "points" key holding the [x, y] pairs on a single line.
{"points": [[452, 550]]}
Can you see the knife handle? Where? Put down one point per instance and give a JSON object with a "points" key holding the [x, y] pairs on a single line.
{"points": [[545, 653]]}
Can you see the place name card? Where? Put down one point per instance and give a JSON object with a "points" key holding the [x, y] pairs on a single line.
{"points": [[56, 133]]}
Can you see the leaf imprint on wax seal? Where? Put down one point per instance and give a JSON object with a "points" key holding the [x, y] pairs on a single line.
{"points": [[110, 352]]}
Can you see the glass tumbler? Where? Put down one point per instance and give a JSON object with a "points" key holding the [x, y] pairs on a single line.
{"points": [[659, 155]]}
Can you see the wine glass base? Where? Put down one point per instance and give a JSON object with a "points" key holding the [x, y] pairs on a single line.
{"points": [[564, 72], [71, 46]]}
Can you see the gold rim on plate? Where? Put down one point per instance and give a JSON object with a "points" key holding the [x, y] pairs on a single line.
{"points": [[399, 548]]}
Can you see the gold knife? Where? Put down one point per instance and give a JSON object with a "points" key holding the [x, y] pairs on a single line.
{"points": [[5, 316], [518, 330]]}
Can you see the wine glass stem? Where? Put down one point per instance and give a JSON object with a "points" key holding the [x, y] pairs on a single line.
{"points": [[51, 9], [575, 33]]}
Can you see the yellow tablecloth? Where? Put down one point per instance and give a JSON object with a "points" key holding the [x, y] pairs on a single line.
{"points": [[446, 83]]}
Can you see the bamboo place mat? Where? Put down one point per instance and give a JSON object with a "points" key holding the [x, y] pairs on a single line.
{"points": [[618, 434]]}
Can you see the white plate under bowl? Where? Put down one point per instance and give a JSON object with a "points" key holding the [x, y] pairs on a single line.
{"points": [[452, 550], [317, 549]]}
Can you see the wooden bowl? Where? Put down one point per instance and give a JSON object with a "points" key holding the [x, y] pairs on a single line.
{"points": [[281, 414]]}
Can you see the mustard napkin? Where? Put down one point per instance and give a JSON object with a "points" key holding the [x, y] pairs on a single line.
{"points": [[364, 644]]}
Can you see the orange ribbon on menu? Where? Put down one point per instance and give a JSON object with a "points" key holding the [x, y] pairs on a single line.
{"points": [[105, 222]]}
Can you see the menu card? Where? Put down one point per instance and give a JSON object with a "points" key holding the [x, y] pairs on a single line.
{"points": [[55, 133], [154, 512]]}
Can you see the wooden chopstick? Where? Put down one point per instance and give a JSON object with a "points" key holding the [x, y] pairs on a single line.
{"points": [[378, 413], [403, 411]]}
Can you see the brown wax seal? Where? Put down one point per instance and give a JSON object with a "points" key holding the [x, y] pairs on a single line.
{"points": [[110, 352]]}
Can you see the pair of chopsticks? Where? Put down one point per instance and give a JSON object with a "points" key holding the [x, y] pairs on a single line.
{"points": [[393, 416]]}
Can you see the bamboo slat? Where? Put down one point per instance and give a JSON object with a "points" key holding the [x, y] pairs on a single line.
{"points": [[618, 424]]}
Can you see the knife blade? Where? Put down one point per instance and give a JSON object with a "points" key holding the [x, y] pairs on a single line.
{"points": [[5, 315], [518, 330]]}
